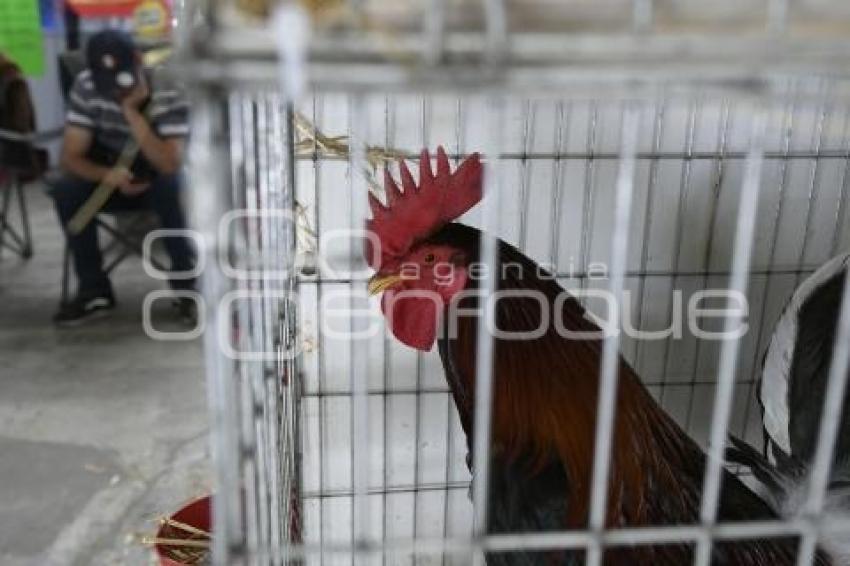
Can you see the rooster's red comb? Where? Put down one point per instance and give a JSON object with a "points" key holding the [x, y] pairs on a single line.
{"points": [[419, 211]]}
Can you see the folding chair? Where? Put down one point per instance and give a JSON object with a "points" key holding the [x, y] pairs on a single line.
{"points": [[20, 243], [14, 175]]}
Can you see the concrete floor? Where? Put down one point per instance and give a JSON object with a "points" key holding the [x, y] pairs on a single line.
{"points": [[102, 429]]}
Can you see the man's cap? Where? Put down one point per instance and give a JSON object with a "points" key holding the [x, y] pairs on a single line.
{"points": [[111, 57]]}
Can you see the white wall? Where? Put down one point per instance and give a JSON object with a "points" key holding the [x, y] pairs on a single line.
{"points": [[46, 92]]}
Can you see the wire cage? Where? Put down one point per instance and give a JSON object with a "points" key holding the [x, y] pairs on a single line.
{"points": [[655, 150]]}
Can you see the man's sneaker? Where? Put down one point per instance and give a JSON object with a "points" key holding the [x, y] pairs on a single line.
{"points": [[187, 310], [84, 308]]}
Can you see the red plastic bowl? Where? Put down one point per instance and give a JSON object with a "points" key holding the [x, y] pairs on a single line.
{"points": [[197, 514]]}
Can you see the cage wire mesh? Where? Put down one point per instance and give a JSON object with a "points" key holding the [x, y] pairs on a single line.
{"points": [[334, 445]]}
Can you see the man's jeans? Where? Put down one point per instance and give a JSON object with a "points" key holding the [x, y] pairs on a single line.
{"points": [[162, 197]]}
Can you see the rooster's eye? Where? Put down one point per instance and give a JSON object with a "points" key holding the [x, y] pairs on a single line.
{"points": [[429, 258]]}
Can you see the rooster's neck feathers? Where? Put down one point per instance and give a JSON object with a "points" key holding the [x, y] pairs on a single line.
{"points": [[546, 390]]}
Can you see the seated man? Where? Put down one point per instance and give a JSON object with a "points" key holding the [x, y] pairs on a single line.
{"points": [[114, 100]]}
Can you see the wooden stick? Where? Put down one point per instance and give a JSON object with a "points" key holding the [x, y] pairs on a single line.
{"points": [[178, 542], [180, 555], [189, 559], [183, 527], [194, 556], [101, 194]]}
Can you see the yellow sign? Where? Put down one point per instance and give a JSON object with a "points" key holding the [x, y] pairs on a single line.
{"points": [[152, 19]]}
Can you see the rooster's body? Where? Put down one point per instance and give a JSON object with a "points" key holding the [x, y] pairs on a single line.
{"points": [[544, 417]]}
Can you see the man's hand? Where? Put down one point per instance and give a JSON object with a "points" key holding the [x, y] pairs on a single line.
{"points": [[134, 99], [163, 153], [118, 177], [121, 178]]}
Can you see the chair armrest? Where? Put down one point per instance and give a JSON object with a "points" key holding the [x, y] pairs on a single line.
{"points": [[33, 138]]}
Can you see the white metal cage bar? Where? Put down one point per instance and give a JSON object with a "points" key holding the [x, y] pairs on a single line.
{"points": [[358, 304], [494, 187], [610, 366], [729, 350]]}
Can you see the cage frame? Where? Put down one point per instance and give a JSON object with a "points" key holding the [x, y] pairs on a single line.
{"points": [[631, 66]]}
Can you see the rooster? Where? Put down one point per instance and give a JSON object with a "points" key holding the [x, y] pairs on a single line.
{"points": [[544, 390], [792, 391]]}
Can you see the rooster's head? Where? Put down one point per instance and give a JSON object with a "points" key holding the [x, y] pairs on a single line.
{"points": [[419, 277]]}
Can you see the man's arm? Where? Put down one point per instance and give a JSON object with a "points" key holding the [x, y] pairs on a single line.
{"points": [[75, 146], [165, 154]]}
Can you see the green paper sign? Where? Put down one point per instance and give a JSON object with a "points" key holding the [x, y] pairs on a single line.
{"points": [[20, 35]]}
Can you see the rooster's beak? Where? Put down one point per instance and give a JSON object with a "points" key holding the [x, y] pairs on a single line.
{"points": [[380, 283]]}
